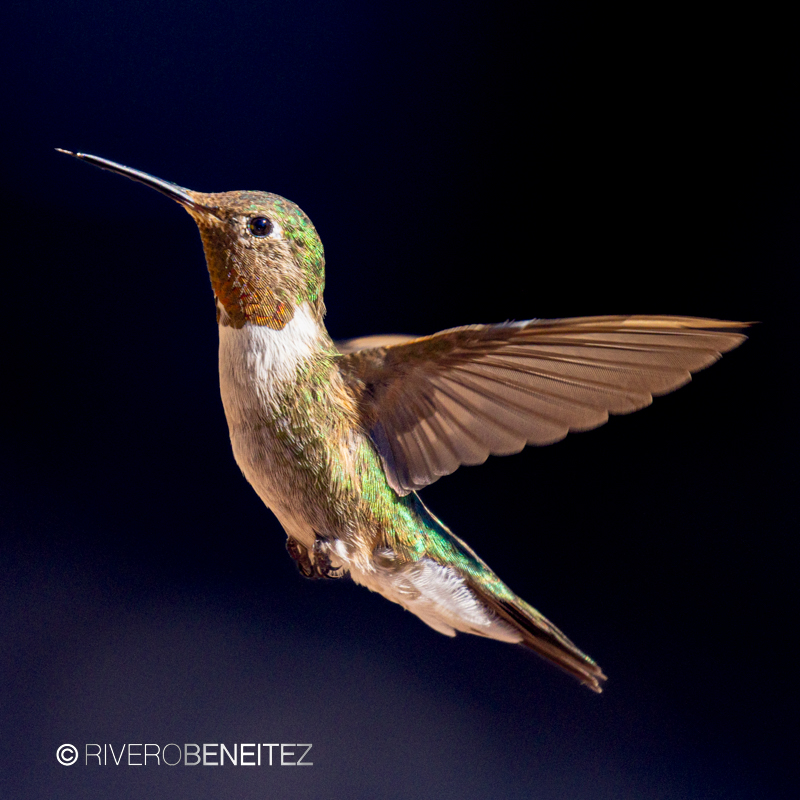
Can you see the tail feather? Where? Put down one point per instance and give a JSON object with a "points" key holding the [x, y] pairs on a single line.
{"points": [[535, 630], [541, 636]]}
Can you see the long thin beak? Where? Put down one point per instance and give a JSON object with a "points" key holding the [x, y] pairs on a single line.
{"points": [[188, 199]]}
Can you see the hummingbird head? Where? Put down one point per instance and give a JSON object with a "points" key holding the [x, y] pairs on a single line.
{"points": [[264, 256]]}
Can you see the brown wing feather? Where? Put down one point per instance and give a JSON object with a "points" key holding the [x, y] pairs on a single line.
{"points": [[436, 402]]}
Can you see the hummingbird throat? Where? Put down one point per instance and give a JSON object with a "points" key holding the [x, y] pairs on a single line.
{"points": [[243, 290], [242, 299]]}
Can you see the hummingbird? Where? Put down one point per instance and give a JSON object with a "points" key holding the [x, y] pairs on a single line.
{"points": [[338, 437]]}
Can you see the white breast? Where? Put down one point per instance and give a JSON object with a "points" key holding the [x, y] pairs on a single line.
{"points": [[256, 361]]}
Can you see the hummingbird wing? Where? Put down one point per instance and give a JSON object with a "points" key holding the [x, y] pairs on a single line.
{"points": [[436, 402]]}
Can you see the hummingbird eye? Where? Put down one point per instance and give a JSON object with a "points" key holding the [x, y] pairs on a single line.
{"points": [[260, 226]]}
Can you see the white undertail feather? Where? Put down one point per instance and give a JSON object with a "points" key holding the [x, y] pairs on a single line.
{"points": [[438, 596]]}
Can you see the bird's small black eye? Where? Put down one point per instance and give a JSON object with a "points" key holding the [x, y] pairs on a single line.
{"points": [[260, 226]]}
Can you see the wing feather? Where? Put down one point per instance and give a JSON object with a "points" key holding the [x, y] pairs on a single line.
{"points": [[436, 402]]}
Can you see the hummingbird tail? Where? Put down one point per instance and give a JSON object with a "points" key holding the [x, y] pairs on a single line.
{"points": [[541, 636], [519, 622]]}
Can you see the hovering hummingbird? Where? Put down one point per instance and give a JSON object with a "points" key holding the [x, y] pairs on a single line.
{"points": [[336, 438]]}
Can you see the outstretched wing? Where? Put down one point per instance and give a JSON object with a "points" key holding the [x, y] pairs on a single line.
{"points": [[436, 402]]}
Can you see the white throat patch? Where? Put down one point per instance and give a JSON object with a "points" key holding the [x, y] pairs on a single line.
{"points": [[255, 361]]}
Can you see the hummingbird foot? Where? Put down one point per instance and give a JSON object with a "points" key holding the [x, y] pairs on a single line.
{"points": [[314, 564], [300, 554], [322, 561]]}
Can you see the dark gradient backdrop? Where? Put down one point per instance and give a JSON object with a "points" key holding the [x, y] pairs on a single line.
{"points": [[463, 163]]}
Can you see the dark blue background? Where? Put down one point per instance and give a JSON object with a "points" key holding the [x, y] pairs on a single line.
{"points": [[462, 162]]}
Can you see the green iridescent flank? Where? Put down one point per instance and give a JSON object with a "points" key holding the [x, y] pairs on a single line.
{"points": [[413, 532]]}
